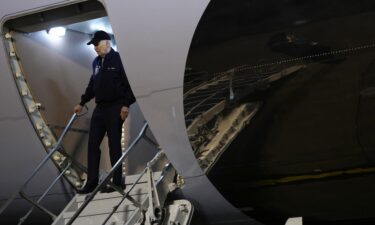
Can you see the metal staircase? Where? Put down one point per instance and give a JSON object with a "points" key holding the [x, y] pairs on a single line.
{"points": [[114, 209], [102, 204], [142, 202]]}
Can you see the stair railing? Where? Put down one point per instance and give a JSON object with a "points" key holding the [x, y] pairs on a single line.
{"points": [[36, 204], [106, 180], [127, 194]]}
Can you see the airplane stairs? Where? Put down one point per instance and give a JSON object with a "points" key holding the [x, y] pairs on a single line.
{"points": [[144, 201], [141, 203], [135, 209]]}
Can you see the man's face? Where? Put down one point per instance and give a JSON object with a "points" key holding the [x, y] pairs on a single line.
{"points": [[101, 48]]}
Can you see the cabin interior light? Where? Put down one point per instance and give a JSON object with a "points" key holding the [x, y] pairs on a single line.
{"points": [[57, 31]]}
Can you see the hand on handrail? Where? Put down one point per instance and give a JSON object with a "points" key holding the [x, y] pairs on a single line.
{"points": [[78, 109]]}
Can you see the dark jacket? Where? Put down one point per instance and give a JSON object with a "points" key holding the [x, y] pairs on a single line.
{"points": [[108, 83]]}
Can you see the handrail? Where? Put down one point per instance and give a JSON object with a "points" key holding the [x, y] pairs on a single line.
{"points": [[168, 166], [22, 219], [149, 165], [36, 170], [125, 195], [108, 176], [42, 208]]}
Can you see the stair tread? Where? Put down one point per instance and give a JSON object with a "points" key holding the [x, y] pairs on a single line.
{"points": [[102, 204], [110, 203], [116, 219], [137, 190], [102, 211], [130, 179]]}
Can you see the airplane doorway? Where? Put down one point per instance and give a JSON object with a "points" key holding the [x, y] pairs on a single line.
{"points": [[51, 66]]}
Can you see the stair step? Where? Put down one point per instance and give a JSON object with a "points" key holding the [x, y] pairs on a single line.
{"points": [[131, 178], [139, 189], [118, 218], [92, 211], [104, 204]]}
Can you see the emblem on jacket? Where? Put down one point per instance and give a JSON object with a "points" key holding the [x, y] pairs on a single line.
{"points": [[96, 71]]}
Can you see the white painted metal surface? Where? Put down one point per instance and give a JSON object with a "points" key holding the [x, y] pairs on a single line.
{"points": [[103, 203], [179, 212], [154, 38], [294, 221]]}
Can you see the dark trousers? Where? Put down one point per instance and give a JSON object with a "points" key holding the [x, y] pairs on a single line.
{"points": [[105, 119]]}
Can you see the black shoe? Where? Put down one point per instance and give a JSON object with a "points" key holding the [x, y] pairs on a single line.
{"points": [[88, 188], [109, 189]]}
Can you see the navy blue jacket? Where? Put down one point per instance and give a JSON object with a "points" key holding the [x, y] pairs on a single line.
{"points": [[108, 83]]}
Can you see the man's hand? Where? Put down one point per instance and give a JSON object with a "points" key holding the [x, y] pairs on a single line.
{"points": [[124, 112], [77, 108]]}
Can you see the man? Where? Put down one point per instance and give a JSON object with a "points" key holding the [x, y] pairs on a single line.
{"points": [[113, 96]]}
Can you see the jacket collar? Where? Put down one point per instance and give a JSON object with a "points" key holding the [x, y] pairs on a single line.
{"points": [[106, 57]]}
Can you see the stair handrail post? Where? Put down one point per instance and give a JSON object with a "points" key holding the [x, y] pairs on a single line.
{"points": [[124, 197], [154, 207], [45, 159], [42, 208], [54, 149], [140, 210], [150, 164], [22, 219], [90, 196]]}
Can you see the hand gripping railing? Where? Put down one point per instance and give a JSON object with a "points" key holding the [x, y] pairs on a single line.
{"points": [[142, 134], [36, 170]]}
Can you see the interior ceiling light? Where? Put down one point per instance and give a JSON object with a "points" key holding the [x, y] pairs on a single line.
{"points": [[57, 31]]}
